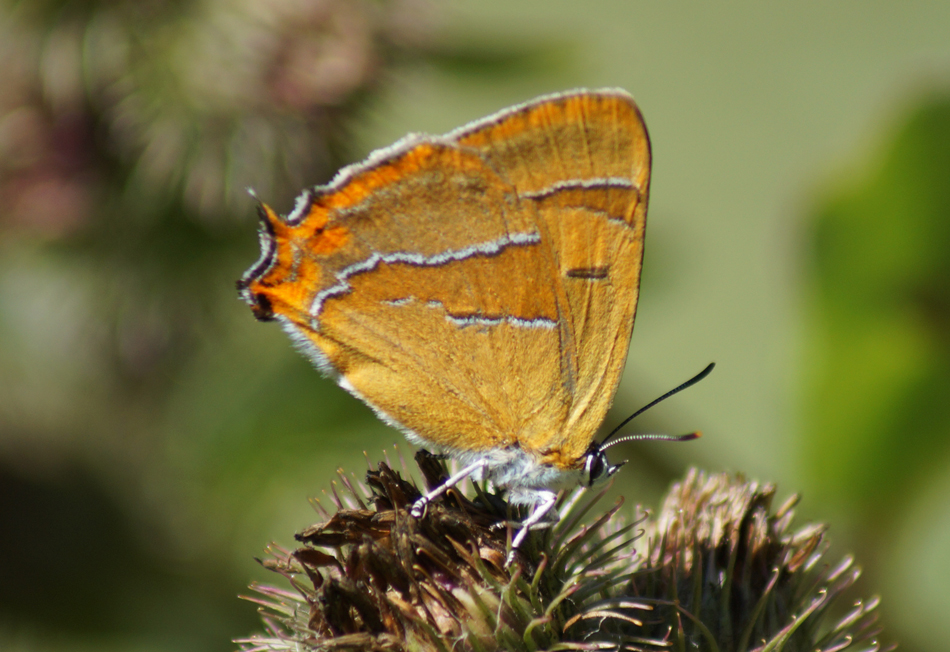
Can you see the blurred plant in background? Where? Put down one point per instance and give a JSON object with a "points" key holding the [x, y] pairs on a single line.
{"points": [[881, 320]]}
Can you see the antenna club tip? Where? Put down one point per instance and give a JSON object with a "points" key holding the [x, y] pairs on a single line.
{"points": [[690, 436]]}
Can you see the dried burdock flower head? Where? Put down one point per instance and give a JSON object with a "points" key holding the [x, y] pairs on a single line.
{"points": [[715, 570], [718, 570]]}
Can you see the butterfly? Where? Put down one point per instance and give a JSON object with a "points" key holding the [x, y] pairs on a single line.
{"points": [[477, 289]]}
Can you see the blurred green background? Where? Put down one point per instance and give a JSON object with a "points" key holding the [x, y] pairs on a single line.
{"points": [[154, 437]]}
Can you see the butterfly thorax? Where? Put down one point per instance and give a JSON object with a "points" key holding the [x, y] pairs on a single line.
{"points": [[524, 474]]}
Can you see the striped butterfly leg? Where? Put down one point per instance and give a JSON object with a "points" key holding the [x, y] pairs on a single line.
{"points": [[536, 520], [418, 508]]}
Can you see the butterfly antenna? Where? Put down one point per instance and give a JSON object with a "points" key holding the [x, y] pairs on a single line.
{"points": [[689, 383], [651, 437]]}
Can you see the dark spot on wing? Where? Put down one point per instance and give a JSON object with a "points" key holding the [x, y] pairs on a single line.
{"points": [[589, 273]]}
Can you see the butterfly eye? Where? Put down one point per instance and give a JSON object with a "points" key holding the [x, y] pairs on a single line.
{"points": [[594, 467]]}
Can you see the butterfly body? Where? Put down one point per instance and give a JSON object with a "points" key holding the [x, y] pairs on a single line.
{"points": [[477, 290]]}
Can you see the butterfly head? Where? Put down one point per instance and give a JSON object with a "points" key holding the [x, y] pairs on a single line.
{"points": [[597, 468]]}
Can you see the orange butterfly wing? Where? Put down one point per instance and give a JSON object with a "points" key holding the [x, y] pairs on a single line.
{"points": [[479, 289]]}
